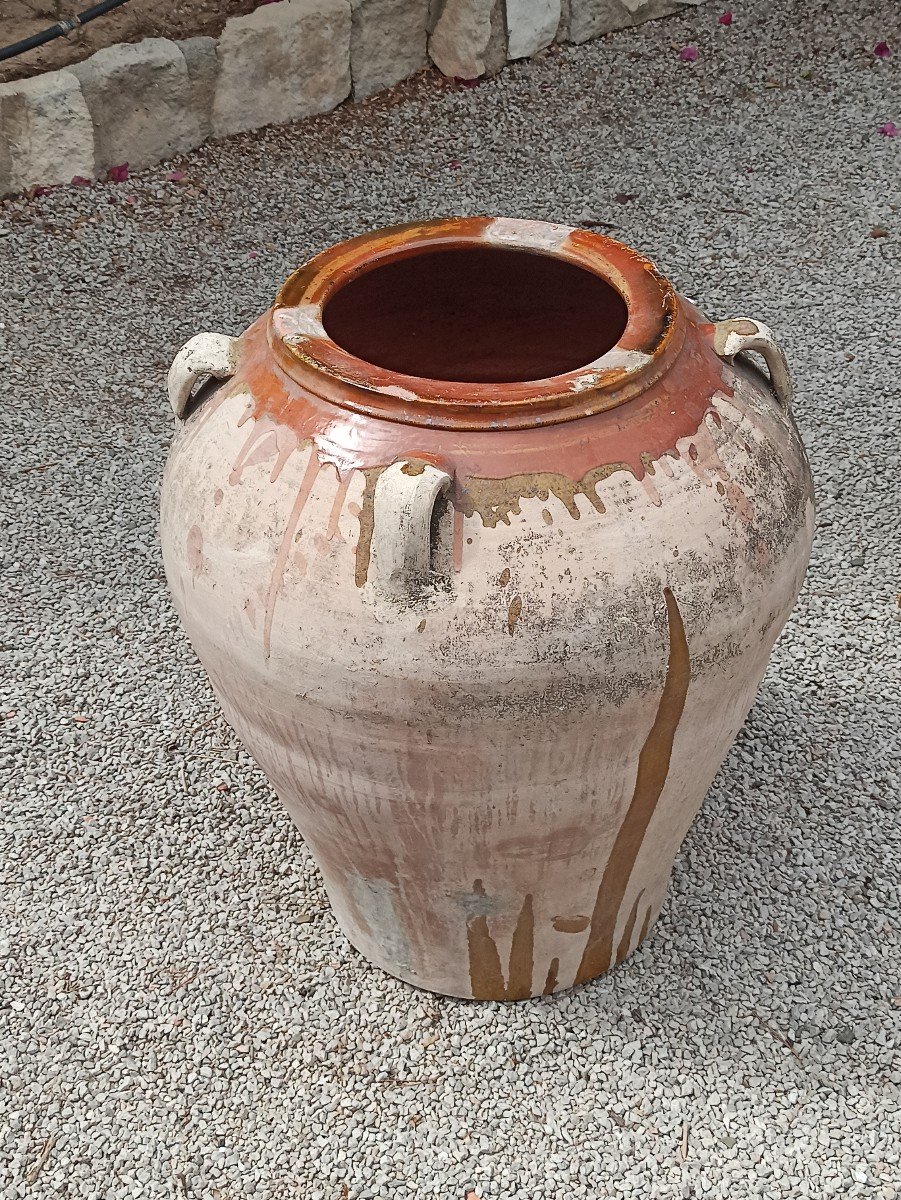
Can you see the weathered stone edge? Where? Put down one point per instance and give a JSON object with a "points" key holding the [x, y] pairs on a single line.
{"points": [[64, 124]]}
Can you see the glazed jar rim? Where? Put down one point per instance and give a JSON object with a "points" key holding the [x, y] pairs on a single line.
{"points": [[653, 333]]}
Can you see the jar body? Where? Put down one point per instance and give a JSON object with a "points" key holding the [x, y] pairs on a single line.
{"points": [[495, 770]]}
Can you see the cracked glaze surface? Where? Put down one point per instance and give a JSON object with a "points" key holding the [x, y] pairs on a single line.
{"points": [[494, 771]]}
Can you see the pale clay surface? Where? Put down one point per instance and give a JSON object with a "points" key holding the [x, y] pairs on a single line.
{"points": [[177, 1001], [435, 736]]}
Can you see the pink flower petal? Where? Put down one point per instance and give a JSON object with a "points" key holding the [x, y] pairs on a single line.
{"points": [[889, 129], [118, 174], [454, 164], [253, 254], [176, 176], [726, 18], [81, 181], [881, 50], [688, 54]]}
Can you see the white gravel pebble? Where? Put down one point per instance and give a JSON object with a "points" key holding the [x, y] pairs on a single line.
{"points": [[179, 1015]]}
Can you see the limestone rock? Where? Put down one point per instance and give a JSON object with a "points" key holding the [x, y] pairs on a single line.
{"points": [[496, 53], [203, 71], [46, 134], [387, 43], [282, 62], [562, 34], [141, 101], [531, 25], [435, 10], [591, 18], [469, 39]]}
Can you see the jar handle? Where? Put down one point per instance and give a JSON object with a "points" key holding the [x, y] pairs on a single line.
{"points": [[741, 334], [400, 558], [213, 354]]}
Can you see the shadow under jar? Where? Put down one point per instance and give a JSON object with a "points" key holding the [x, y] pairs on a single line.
{"points": [[484, 537]]}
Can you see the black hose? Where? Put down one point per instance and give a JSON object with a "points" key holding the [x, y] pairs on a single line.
{"points": [[59, 29]]}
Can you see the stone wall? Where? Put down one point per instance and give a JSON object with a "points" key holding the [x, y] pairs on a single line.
{"points": [[143, 102]]}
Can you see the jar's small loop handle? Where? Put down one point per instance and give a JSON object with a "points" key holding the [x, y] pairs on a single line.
{"points": [[213, 354], [400, 562], [741, 334]]}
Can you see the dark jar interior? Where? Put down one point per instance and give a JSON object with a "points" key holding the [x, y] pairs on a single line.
{"points": [[477, 314]]}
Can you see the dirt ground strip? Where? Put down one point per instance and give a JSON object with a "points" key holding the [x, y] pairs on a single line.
{"points": [[133, 21]]}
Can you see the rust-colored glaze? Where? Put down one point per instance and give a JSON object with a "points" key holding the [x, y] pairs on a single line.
{"points": [[499, 442], [514, 612], [646, 318], [301, 342], [566, 458], [653, 766]]}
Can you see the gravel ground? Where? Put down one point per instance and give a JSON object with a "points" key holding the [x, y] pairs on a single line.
{"points": [[179, 1014]]}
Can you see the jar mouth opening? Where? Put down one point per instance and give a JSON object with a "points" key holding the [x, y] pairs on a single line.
{"points": [[476, 314], [476, 323]]}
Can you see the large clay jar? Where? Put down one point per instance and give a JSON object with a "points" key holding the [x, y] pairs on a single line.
{"points": [[484, 536]]}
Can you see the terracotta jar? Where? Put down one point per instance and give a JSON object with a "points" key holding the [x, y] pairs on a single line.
{"points": [[484, 536]]}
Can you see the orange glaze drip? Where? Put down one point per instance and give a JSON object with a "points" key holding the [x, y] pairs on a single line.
{"points": [[630, 436]]}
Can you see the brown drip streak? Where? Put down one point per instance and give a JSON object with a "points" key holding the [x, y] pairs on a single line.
{"points": [[625, 942], [551, 982], [570, 924], [645, 925], [653, 767], [519, 975], [281, 559], [367, 522], [334, 516], [485, 972], [458, 541]]}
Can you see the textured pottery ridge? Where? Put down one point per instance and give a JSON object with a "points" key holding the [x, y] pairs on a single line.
{"points": [[489, 641]]}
